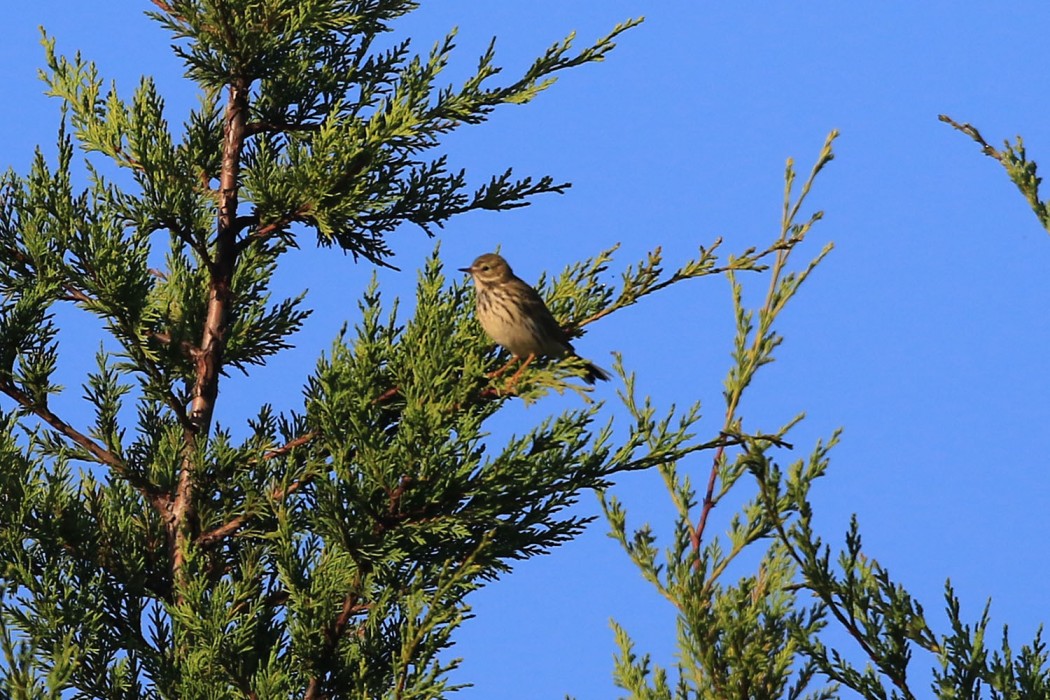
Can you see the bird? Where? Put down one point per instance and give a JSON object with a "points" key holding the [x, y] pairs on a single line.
{"points": [[514, 315]]}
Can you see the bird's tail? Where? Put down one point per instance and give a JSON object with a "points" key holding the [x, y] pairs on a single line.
{"points": [[594, 373]]}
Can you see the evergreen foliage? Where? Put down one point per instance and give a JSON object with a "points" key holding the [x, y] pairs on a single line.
{"points": [[152, 553], [764, 635]]}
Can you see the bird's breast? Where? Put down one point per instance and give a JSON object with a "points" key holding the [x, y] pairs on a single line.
{"points": [[507, 323]]}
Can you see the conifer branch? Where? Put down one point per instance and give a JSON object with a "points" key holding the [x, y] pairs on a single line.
{"points": [[754, 347], [102, 455], [198, 247], [264, 232], [644, 282], [164, 7], [664, 457], [1023, 172], [288, 447], [844, 618], [696, 534], [189, 351], [75, 294], [279, 493], [332, 635], [231, 526]]}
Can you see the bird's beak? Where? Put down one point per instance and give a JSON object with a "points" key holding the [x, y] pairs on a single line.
{"points": [[466, 269]]}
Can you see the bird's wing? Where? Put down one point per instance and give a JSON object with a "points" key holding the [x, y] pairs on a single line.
{"points": [[537, 310]]}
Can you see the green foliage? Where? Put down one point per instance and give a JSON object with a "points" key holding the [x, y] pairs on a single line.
{"points": [[330, 551], [744, 639], [763, 636], [330, 548]]}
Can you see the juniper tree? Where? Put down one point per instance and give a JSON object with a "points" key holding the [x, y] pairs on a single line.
{"points": [[153, 552], [150, 551]]}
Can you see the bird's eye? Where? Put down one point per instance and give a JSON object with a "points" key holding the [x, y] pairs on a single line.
{"points": [[485, 267]]}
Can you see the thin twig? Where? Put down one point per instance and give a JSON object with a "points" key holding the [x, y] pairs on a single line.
{"points": [[77, 295], [394, 505], [264, 232], [210, 537], [971, 131], [738, 264], [332, 635], [696, 534], [291, 445], [782, 247], [199, 247], [350, 608], [487, 393], [189, 350], [279, 493], [386, 395], [726, 440]]}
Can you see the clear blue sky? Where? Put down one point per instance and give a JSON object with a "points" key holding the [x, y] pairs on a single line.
{"points": [[923, 335]]}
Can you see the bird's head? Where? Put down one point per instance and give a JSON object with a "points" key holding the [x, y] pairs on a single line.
{"points": [[489, 269]]}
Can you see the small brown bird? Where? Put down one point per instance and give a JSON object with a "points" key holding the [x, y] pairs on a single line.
{"points": [[514, 315]]}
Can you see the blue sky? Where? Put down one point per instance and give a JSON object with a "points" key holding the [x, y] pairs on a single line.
{"points": [[923, 335]]}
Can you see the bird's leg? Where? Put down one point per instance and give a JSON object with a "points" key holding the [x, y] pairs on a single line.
{"points": [[514, 380], [504, 368]]}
